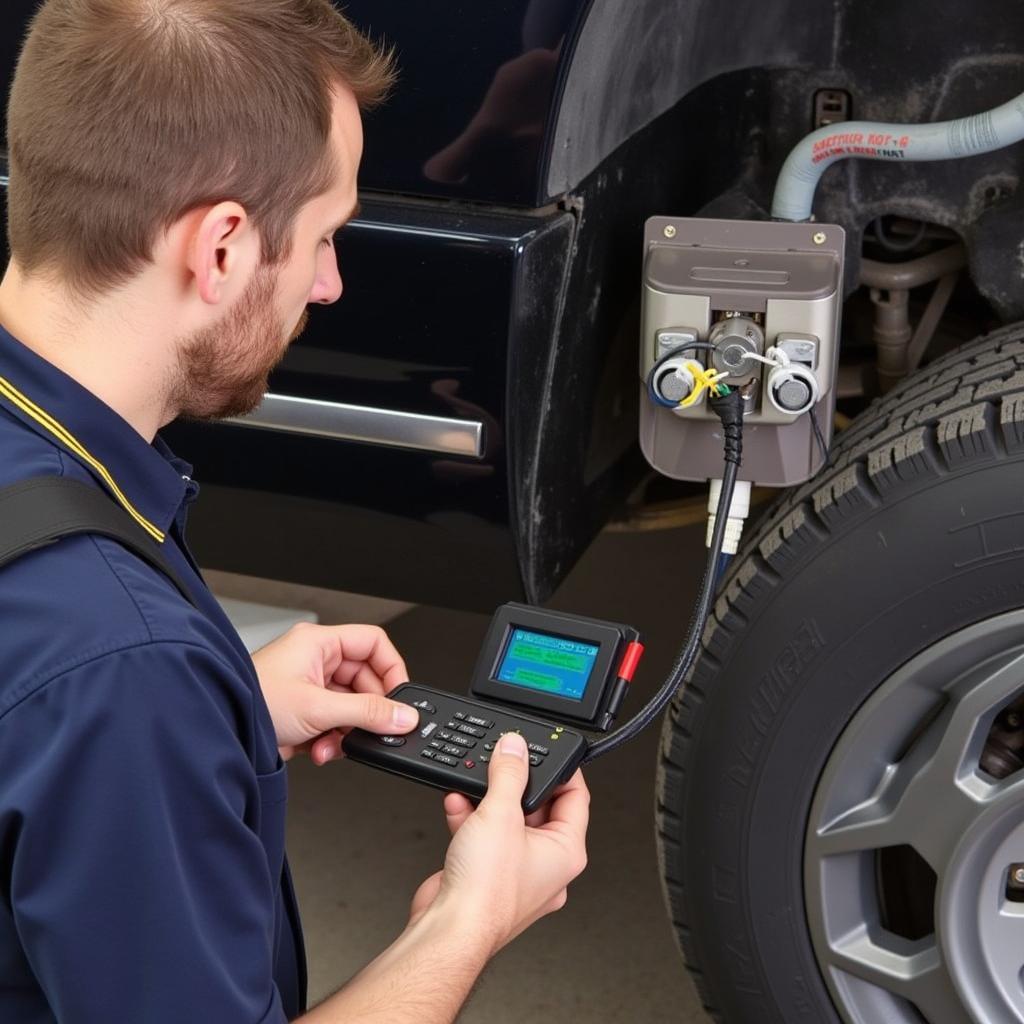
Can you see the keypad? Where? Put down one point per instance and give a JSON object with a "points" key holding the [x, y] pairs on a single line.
{"points": [[464, 741], [454, 741]]}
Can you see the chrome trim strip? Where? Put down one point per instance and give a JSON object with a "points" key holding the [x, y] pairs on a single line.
{"points": [[367, 425]]}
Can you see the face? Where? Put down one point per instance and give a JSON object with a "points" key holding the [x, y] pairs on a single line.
{"points": [[224, 369]]}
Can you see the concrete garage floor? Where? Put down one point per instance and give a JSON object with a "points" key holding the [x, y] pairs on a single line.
{"points": [[360, 842]]}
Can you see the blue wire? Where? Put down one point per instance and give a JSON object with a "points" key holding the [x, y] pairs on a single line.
{"points": [[723, 564]]}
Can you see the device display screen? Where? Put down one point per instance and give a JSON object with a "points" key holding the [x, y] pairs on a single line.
{"points": [[557, 665]]}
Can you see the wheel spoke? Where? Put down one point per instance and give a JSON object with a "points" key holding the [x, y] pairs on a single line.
{"points": [[930, 798], [959, 746], [912, 970], [913, 805], [874, 824]]}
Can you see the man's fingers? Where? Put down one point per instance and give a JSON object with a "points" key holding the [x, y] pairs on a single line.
{"points": [[569, 811], [326, 748], [457, 808], [508, 771], [368, 711], [369, 644]]}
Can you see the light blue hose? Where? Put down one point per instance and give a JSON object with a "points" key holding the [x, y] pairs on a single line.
{"points": [[872, 140]]}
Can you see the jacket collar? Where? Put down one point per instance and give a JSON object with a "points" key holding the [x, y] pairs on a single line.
{"points": [[56, 407]]}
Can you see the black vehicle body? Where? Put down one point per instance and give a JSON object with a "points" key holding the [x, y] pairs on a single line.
{"points": [[491, 279]]}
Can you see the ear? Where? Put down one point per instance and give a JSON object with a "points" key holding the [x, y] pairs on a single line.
{"points": [[223, 252]]}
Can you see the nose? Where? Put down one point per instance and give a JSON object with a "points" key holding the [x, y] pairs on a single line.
{"points": [[327, 287]]}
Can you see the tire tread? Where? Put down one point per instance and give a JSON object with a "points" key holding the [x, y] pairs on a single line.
{"points": [[966, 408]]}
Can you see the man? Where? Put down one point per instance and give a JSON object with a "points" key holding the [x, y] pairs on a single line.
{"points": [[178, 171]]}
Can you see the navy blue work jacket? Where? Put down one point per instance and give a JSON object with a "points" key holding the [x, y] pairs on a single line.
{"points": [[142, 798]]}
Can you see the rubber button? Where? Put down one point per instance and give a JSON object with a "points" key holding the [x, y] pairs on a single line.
{"points": [[424, 705], [391, 741]]}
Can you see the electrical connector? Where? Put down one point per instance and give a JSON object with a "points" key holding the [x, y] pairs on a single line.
{"points": [[739, 509]]}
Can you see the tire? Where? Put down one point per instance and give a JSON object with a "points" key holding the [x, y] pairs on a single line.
{"points": [[912, 533]]}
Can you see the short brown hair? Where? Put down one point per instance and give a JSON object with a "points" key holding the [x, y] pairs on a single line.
{"points": [[126, 114]]}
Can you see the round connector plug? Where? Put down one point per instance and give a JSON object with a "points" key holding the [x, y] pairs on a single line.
{"points": [[675, 380], [793, 389]]}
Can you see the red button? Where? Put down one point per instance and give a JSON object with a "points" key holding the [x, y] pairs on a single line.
{"points": [[470, 764]]}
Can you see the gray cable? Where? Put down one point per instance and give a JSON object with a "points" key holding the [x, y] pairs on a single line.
{"points": [[873, 140]]}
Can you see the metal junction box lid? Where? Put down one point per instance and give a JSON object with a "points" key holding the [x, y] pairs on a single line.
{"points": [[736, 279]]}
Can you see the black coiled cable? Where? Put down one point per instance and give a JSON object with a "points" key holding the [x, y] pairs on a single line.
{"points": [[729, 410]]}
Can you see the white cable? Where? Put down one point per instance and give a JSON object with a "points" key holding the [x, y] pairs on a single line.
{"points": [[773, 357], [739, 509]]}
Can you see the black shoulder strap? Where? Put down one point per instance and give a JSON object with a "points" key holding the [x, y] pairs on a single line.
{"points": [[39, 511]]}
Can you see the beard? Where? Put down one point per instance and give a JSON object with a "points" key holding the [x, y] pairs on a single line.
{"points": [[224, 370]]}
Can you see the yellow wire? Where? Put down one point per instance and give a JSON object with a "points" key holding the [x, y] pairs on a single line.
{"points": [[703, 379], [41, 416]]}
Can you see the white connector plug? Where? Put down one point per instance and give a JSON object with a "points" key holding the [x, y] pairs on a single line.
{"points": [[737, 515]]}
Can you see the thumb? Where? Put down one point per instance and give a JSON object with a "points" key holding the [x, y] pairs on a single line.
{"points": [[368, 711], [509, 771]]}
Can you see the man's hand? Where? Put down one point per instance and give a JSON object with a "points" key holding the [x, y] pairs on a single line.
{"points": [[501, 874], [321, 681], [508, 870]]}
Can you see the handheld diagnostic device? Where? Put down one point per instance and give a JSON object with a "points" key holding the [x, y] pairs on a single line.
{"points": [[539, 674]]}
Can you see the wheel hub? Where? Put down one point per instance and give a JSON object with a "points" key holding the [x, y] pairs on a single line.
{"points": [[907, 777], [982, 927]]}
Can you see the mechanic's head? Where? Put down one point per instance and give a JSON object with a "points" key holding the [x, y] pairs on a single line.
{"points": [[204, 150]]}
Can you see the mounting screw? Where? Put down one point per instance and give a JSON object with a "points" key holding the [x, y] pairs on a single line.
{"points": [[1017, 874], [670, 231], [819, 238]]}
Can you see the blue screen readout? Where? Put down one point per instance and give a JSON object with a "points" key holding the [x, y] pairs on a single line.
{"points": [[555, 665]]}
